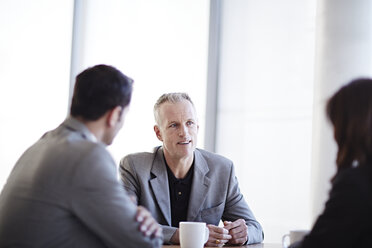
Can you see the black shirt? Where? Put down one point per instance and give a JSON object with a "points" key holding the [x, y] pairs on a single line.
{"points": [[179, 190]]}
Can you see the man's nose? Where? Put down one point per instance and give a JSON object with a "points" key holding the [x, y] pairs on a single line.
{"points": [[182, 131]]}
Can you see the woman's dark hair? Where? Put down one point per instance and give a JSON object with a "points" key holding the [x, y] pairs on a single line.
{"points": [[98, 89], [350, 111]]}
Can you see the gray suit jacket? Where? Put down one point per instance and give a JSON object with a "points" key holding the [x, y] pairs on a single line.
{"points": [[64, 192], [215, 193]]}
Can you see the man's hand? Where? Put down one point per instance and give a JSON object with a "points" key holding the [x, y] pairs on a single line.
{"points": [[238, 231], [148, 225], [218, 236]]}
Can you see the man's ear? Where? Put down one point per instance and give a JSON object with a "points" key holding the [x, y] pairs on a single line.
{"points": [[158, 133], [114, 115]]}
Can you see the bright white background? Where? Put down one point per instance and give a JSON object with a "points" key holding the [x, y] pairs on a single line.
{"points": [[266, 75], [162, 45], [265, 107], [35, 47]]}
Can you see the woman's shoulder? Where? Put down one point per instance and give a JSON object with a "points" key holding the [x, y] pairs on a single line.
{"points": [[354, 174], [356, 180]]}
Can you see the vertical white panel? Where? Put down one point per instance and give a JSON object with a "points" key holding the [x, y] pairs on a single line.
{"points": [[162, 45], [265, 107], [343, 53], [35, 48]]}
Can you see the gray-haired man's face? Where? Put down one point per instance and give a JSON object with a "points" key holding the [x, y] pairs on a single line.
{"points": [[178, 129]]}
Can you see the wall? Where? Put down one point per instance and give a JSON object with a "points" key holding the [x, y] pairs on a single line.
{"points": [[265, 107], [162, 45], [35, 47]]}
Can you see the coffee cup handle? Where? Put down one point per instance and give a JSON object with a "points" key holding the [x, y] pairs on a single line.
{"points": [[284, 239], [206, 235]]}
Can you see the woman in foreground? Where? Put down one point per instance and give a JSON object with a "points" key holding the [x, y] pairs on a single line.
{"points": [[347, 218]]}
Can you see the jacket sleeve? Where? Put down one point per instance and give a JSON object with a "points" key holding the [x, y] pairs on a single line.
{"points": [[100, 202], [130, 182], [237, 208], [128, 178], [168, 232]]}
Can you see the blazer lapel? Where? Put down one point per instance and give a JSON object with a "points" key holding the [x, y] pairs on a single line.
{"points": [[159, 185], [199, 188]]}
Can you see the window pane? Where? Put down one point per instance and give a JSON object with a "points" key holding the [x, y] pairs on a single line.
{"points": [[265, 108], [35, 47], [162, 45]]}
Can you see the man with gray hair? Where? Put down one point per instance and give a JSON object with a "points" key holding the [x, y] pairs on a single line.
{"points": [[178, 182]]}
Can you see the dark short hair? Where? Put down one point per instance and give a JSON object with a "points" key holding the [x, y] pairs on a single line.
{"points": [[98, 89], [350, 111]]}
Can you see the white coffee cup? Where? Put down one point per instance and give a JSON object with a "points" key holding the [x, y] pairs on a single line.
{"points": [[294, 236], [193, 234]]}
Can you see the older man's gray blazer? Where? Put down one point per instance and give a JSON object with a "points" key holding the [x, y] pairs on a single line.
{"points": [[215, 193], [64, 192]]}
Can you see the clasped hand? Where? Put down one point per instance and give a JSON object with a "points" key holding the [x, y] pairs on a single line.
{"points": [[235, 233], [148, 225]]}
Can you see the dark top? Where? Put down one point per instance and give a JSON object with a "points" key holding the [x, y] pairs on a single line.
{"points": [[347, 218], [179, 190]]}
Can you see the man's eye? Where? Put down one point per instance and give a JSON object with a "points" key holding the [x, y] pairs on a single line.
{"points": [[190, 123], [173, 125]]}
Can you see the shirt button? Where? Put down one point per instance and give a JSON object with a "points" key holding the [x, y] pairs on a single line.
{"points": [[180, 193]]}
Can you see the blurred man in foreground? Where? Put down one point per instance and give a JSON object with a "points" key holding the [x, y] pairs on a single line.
{"points": [[63, 191]]}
